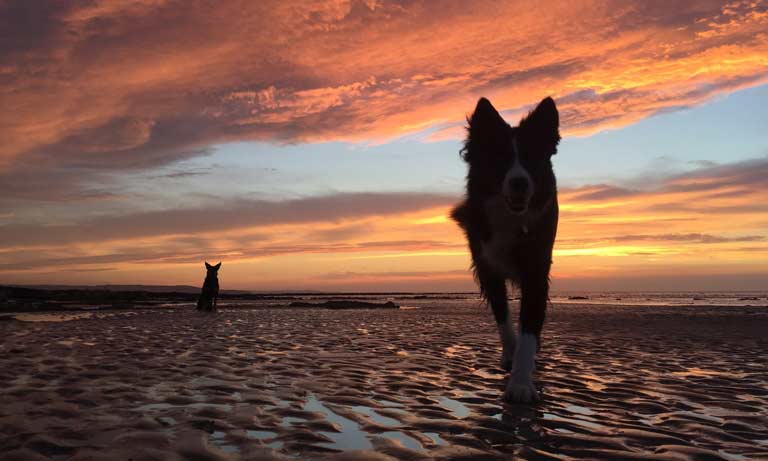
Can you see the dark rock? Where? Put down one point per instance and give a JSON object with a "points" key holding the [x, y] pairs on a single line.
{"points": [[342, 304]]}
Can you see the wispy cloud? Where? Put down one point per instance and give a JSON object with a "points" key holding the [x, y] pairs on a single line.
{"points": [[225, 216], [656, 232], [695, 223]]}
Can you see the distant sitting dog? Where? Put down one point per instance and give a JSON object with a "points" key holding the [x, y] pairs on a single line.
{"points": [[510, 219], [210, 293]]}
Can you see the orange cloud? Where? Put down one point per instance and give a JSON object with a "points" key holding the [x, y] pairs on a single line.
{"points": [[165, 82]]}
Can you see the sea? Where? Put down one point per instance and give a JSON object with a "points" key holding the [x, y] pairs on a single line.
{"points": [[617, 298]]}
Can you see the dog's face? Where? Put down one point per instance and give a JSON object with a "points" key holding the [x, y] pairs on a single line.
{"points": [[514, 161], [212, 270]]}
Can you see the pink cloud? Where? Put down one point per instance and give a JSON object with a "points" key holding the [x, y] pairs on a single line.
{"points": [[294, 70]]}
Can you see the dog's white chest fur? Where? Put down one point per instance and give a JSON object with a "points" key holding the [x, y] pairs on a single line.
{"points": [[507, 229]]}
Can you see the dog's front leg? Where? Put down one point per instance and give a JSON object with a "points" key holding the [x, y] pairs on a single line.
{"points": [[494, 289], [533, 304]]}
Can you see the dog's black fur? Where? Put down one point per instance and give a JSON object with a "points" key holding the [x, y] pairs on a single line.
{"points": [[511, 230], [210, 291]]}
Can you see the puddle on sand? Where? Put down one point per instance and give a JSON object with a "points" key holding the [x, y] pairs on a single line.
{"points": [[389, 403], [404, 440], [261, 435], [166, 420], [435, 438], [731, 456], [578, 409], [289, 421], [350, 437], [218, 439], [458, 409], [371, 413], [264, 437], [167, 406]]}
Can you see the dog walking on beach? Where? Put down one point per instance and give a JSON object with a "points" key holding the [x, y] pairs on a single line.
{"points": [[210, 293], [509, 217]]}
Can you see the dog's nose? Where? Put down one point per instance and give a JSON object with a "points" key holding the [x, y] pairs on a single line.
{"points": [[518, 185]]}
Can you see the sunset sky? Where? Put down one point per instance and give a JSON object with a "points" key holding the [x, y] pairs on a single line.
{"points": [[315, 144]]}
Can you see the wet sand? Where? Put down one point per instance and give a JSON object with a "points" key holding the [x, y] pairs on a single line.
{"points": [[618, 383]]}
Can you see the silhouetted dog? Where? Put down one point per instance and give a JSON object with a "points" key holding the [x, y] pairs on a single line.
{"points": [[510, 219], [210, 293]]}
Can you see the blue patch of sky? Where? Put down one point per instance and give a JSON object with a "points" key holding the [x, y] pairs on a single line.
{"points": [[727, 129]]}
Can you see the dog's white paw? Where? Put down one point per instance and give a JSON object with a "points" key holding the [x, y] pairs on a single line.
{"points": [[520, 390]]}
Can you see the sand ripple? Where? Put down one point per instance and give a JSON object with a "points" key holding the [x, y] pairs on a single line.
{"points": [[617, 383]]}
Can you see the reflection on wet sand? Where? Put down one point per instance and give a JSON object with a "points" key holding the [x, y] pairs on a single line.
{"points": [[52, 316], [413, 385]]}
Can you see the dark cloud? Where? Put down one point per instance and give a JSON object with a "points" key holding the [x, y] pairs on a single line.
{"points": [[346, 275], [224, 216], [185, 174], [600, 192], [178, 251], [664, 239], [37, 182], [340, 233], [738, 179], [689, 238], [27, 28], [746, 174]]}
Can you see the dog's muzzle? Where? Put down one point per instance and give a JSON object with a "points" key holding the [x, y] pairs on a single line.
{"points": [[517, 194]]}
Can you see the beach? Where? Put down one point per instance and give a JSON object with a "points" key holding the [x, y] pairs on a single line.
{"points": [[417, 383]]}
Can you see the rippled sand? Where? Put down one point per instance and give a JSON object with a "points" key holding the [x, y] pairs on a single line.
{"points": [[618, 383]]}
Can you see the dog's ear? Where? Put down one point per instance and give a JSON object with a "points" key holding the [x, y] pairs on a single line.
{"points": [[207, 266], [543, 124], [485, 124], [217, 266]]}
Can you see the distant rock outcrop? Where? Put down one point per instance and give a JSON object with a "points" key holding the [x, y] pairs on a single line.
{"points": [[343, 304]]}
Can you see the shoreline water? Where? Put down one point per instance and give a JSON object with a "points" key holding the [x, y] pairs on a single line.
{"points": [[17, 300]]}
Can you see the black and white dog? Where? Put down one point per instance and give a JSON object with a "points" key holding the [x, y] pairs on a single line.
{"points": [[510, 219]]}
